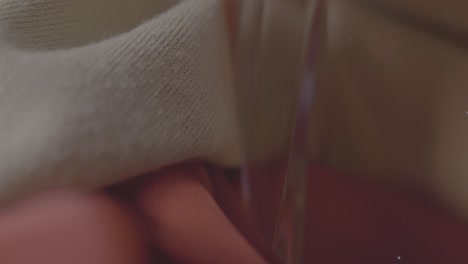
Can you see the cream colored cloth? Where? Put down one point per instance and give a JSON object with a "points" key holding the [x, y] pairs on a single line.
{"points": [[93, 92]]}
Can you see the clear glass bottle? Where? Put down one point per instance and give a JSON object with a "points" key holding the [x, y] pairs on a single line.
{"points": [[274, 49], [355, 120]]}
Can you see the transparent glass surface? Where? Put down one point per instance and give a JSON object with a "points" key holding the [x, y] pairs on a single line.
{"points": [[276, 42], [354, 117]]}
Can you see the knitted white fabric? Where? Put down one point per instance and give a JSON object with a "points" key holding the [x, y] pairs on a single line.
{"points": [[90, 95]]}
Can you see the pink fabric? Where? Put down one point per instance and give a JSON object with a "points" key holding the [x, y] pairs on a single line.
{"points": [[357, 223], [353, 222], [349, 222], [166, 217]]}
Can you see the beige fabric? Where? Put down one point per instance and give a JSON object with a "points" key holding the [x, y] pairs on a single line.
{"points": [[90, 95]]}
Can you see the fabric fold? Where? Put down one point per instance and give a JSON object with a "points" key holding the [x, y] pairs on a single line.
{"points": [[99, 113]]}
